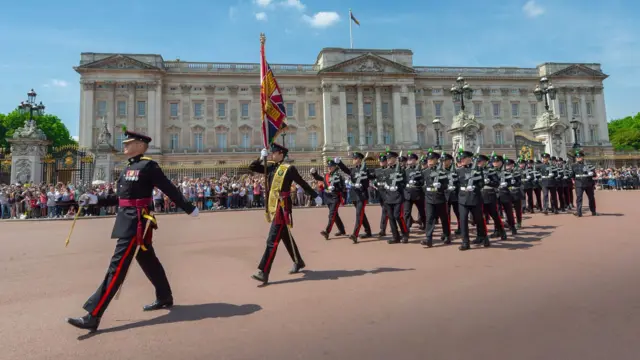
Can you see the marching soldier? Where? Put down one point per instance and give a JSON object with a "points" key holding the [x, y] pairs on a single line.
{"points": [[490, 197], [452, 190], [280, 175], [436, 183], [134, 199], [470, 200], [561, 184], [413, 192], [380, 181], [568, 184], [517, 194], [583, 175], [394, 190], [527, 179], [507, 184], [548, 183], [333, 190], [359, 177], [537, 182]]}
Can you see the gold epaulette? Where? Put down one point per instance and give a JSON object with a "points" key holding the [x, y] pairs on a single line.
{"points": [[145, 158]]}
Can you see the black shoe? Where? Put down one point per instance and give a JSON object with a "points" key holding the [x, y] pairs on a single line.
{"points": [[457, 232], [405, 239], [503, 235], [381, 234], [546, 212], [594, 214], [393, 241], [486, 242], [365, 236], [260, 276], [340, 233], [447, 240], [518, 225], [465, 246], [577, 214], [477, 241], [296, 268], [427, 242], [324, 234], [159, 304], [353, 238], [514, 231], [555, 212], [495, 234], [87, 322]]}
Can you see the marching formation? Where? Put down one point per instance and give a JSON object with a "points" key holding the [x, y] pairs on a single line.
{"points": [[473, 186]]}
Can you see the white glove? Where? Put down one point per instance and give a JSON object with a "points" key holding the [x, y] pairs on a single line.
{"points": [[469, 188], [264, 153], [504, 184], [590, 173], [195, 212], [437, 185], [313, 171], [318, 200], [337, 160]]}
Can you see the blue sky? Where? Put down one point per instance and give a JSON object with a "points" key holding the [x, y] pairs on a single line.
{"points": [[42, 40]]}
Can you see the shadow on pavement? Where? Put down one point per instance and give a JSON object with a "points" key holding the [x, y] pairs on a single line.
{"points": [[310, 275], [181, 313]]}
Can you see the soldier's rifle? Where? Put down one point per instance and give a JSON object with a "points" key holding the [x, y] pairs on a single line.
{"points": [[474, 165], [396, 175], [359, 175]]}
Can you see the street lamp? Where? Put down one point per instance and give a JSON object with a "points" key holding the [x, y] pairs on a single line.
{"points": [[460, 91], [574, 125], [31, 107], [283, 136], [437, 126], [545, 88]]}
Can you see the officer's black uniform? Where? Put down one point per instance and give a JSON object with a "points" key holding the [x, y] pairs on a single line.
{"points": [[333, 196], [436, 183], [134, 198], [517, 194], [394, 190], [504, 192], [283, 219], [583, 175], [359, 177], [567, 184], [452, 192], [380, 181], [470, 202], [561, 183], [490, 200], [414, 193], [528, 182], [549, 175]]}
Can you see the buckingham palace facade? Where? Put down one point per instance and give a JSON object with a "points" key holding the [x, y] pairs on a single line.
{"points": [[348, 99]]}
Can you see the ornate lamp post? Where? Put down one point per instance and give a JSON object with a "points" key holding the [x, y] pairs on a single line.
{"points": [[437, 126], [574, 125], [460, 91], [31, 107], [545, 88]]}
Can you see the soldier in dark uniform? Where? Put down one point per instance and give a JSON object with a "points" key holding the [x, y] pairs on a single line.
{"points": [[413, 192], [507, 184], [452, 191], [394, 190], [567, 184], [333, 196], [132, 229], [527, 179], [583, 175], [380, 181], [280, 175], [561, 184], [359, 177], [490, 197], [548, 183], [537, 182], [470, 201], [517, 195], [436, 183], [570, 186]]}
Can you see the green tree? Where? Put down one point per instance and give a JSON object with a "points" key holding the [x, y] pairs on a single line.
{"points": [[51, 125], [624, 133]]}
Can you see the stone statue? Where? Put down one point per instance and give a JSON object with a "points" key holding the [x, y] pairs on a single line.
{"points": [[105, 136], [30, 130], [369, 66]]}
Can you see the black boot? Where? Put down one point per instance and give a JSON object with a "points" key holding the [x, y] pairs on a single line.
{"points": [[87, 322], [353, 238], [495, 234], [159, 304], [260, 276], [365, 235], [447, 240], [405, 239], [478, 241], [340, 233], [324, 234], [381, 234], [486, 242], [428, 242], [296, 268], [465, 245], [514, 231], [503, 234]]}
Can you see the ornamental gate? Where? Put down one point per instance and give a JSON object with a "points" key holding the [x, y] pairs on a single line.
{"points": [[527, 146], [68, 165]]}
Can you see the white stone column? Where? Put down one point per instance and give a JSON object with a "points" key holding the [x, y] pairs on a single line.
{"points": [[601, 112], [131, 106], [343, 115], [397, 115], [88, 114], [159, 116], [412, 122], [361, 117], [379, 124], [326, 116], [152, 116]]}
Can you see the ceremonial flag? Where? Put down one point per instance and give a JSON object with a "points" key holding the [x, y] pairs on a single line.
{"points": [[274, 114], [354, 18]]}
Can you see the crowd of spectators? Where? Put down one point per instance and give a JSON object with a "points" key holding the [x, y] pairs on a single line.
{"points": [[27, 201]]}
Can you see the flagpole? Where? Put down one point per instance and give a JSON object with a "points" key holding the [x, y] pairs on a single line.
{"points": [[350, 30], [267, 189]]}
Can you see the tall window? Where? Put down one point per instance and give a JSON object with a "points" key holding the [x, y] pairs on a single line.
{"points": [[313, 139], [499, 137], [438, 109], [290, 110], [291, 141], [222, 140], [422, 140], [367, 109], [418, 110], [198, 142], [456, 108], [589, 108], [222, 110], [385, 109], [387, 137], [311, 110], [142, 108], [481, 138], [173, 109], [174, 142], [439, 137], [122, 108], [244, 110], [369, 137], [119, 140], [349, 108], [477, 108], [496, 109], [246, 140], [579, 135], [563, 107], [197, 109], [102, 108], [350, 138], [534, 109], [575, 108], [515, 109]]}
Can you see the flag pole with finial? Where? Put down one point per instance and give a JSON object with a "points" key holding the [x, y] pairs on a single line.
{"points": [[350, 30], [265, 129]]}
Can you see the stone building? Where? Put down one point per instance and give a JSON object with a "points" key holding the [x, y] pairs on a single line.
{"points": [[348, 99]]}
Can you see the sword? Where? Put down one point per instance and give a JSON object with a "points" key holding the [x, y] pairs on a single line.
{"points": [[73, 225]]}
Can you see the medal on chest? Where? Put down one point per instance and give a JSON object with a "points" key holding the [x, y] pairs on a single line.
{"points": [[132, 175]]}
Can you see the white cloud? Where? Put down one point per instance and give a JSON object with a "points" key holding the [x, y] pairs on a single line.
{"points": [[532, 10], [261, 16], [75, 137], [296, 4], [263, 3], [56, 83], [322, 19]]}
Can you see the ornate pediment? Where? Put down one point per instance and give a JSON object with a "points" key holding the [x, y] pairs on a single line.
{"points": [[369, 64], [117, 62], [576, 71], [173, 128]]}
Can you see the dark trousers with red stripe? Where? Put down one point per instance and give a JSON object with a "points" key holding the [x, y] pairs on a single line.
{"points": [[122, 257], [361, 219], [277, 233], [507, 206], [437, 211], [334, 218], [384, 218], [456, 211], [476, 212], [491, 210], [396, 219], [407, 208]]}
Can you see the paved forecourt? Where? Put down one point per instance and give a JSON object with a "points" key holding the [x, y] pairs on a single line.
{"points": [[565, 288]]}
